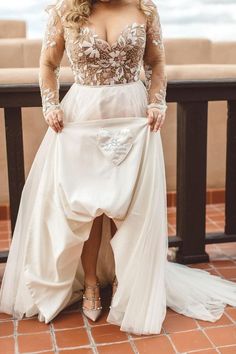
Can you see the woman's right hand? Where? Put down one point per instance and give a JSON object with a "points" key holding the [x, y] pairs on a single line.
{"points": [[55, 119]]}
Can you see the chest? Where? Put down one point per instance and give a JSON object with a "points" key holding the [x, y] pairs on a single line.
{"points": [[87, 45]]}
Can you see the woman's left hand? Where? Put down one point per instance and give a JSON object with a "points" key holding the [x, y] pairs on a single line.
{"points": [[155, 118]]}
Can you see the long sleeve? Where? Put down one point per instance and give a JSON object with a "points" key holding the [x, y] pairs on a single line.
{"points": [[52, 50], [154, 61]]}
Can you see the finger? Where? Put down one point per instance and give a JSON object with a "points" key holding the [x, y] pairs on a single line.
{"points": [[61, 123], [60, 118], [150, 117], [155, 122], [158, 123], [162, 122], [53, 127], [152, 125], [57, 124], [47, 118], [50, 118], [51, 123]]}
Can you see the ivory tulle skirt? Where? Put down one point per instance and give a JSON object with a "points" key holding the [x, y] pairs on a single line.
{"points": [[105, 161]]}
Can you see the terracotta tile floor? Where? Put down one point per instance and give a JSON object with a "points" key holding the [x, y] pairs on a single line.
{"points": [[71, 332]]}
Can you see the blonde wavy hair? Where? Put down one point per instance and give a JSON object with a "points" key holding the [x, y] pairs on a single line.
{"points": [[79, 11]]}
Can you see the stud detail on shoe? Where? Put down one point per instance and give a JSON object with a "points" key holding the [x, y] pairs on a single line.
{"points": [[94, 312]]}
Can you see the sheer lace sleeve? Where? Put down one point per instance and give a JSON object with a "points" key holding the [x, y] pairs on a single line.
{"points": [[52, 50], [154, 60]]}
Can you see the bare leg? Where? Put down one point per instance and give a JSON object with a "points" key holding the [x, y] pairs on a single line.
{"points": [[90, 251], [91, 247], [114, 282], [89, 258], [113, 228]]}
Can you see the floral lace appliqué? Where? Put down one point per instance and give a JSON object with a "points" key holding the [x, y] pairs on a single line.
{"points": [[94, 61], [52, 31], [50, 97], [115, 145], [154, 60]]}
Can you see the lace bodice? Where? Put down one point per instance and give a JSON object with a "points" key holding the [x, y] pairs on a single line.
{"points": [[95, 61]]}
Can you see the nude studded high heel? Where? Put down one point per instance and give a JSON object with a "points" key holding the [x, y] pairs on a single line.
{"points": [[94, 312], [114, 287]]}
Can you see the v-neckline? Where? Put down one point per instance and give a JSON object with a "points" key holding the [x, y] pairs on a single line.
{"points": [[93, 31]]}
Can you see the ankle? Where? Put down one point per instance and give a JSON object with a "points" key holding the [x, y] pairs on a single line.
{"points": [[91, 281], [92, 288]]}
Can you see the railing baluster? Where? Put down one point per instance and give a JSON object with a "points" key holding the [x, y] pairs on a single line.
{"points": [[230, 183], [15, 159], [191, 180]]}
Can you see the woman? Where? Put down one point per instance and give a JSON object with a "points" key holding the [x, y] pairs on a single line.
{"points": [[102, 160]]}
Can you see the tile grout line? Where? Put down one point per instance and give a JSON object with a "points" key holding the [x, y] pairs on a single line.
{"points": [[196, 351], [218, 272], [214, 346], [15, 334], [89, 333], [165, 334], [132, 343], [225, 254], [71, 311], [104, 344], [228, 315], [53, 338], [38, 352], [170, 339], [225, 346], [67, 328], [202, 330]]}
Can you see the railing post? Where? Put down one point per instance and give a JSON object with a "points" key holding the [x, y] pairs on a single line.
{"points": [[230, 183], [191, 180], [15, 159]]}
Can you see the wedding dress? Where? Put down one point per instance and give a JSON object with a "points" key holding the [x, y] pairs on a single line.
{"points": [[105, 161]]}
